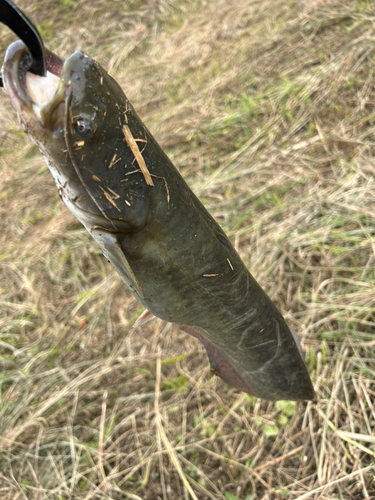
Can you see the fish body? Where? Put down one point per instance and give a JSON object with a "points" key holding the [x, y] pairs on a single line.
{"points": [[174, 257]]}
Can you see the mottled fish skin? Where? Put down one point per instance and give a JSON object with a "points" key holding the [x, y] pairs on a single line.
{"points": [[174, 257]]}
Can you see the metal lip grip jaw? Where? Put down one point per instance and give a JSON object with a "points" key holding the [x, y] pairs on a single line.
{"points": [[15, 19]]}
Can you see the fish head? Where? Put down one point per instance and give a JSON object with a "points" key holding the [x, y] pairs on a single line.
{"points": [[76, 115]]}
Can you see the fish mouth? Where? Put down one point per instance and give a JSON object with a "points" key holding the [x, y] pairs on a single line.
{"points": [[43, 104], [40, 98]]}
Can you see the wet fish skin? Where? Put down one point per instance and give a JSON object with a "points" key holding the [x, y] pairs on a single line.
{"points": [[175, 258]]}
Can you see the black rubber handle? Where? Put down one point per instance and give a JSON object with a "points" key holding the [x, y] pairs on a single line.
{"points": [[15, 19]]}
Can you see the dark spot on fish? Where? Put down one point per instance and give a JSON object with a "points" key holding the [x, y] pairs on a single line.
{"points": [[224, 241]]}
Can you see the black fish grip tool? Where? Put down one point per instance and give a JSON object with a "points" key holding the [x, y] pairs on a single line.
{"points": [[15, 19]]}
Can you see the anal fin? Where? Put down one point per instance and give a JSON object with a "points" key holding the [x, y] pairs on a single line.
{"points": [[144, 318]]}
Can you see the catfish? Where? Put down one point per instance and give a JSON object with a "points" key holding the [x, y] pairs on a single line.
{"points": [[172, 255]]}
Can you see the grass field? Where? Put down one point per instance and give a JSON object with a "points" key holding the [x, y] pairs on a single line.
{"points": [[267, 109]]}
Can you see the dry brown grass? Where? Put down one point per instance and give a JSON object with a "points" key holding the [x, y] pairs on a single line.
{"points": [[267, 108]]}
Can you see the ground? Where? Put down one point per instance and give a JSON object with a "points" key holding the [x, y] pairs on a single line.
{"points": [[267, 109]]}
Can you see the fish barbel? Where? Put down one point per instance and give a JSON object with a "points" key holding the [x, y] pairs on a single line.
{"points": [[175, 259]]}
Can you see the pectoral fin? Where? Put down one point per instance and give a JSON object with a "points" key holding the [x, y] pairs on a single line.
{"points": [[113, 252]]}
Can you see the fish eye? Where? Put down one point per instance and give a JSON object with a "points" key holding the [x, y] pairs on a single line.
{"points": [[83, 127]]}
